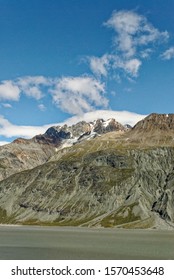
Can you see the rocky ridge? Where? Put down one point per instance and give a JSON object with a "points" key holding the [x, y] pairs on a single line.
{"points": [[58, 135], [117, 179], [25, 154]]}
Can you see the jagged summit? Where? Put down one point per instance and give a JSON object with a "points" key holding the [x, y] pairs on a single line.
{"points": [[82, 130], [24, 154]]}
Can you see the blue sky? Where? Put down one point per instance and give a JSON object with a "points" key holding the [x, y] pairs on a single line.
{"points": [[67, 60]]}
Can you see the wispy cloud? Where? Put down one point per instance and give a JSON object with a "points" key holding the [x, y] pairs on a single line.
{"points": [[133, 31], [168, 54], [130, 66], [6, 105], [76, 95], [42, 107], [9, 91], [134, 41], [7, 129], [146, 53], [32, 85], [99, 65]]}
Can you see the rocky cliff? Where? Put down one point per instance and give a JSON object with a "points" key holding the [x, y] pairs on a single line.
{"points": [[108, 181]]}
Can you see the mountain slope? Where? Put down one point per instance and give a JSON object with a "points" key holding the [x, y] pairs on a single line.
{"points": [[21, 155], [154, 130], [94, 185], [110, 180]]}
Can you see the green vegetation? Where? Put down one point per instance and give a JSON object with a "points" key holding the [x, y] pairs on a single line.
{"points": [[140, 224], [4, 218], [122, 216], [59, 222]]}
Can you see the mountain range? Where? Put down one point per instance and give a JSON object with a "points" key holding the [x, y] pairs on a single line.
{"points": [[100, 174]]}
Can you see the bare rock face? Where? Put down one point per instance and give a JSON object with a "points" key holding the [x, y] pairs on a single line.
{"points": [[101, 126], [154, 130], [154, 122], [53, 136], [21, 155]]}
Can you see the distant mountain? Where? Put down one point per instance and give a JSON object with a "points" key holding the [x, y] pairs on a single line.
{"points": [[58, 135], [92, 174], [25, 154]]}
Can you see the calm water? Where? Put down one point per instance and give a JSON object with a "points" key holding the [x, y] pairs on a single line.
{"points": [[54, 243]]}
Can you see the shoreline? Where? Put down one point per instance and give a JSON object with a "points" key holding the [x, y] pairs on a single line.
{"points": [[84, 229]]}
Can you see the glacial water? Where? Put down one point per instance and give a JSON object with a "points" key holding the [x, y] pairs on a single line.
{"points": [[68, 243]]}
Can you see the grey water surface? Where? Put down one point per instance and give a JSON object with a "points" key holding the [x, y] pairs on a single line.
{"points": [[72, 243]]}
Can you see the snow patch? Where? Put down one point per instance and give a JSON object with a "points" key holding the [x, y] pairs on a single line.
{"points": [[105, 124], [69, 143], [92, 127]]}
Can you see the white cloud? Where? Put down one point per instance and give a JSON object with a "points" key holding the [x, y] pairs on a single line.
{"points": [[9, 91], [4, 143], [146, 53], [41, 107], [125, 45], [150, 35], [99, 65], [132, 31], [6, 105], [124, 117], [125, 21], [7, 129], [168, 54], [128, 89], [134, 41], [76, 95], [130, 66], [31, 86]]}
